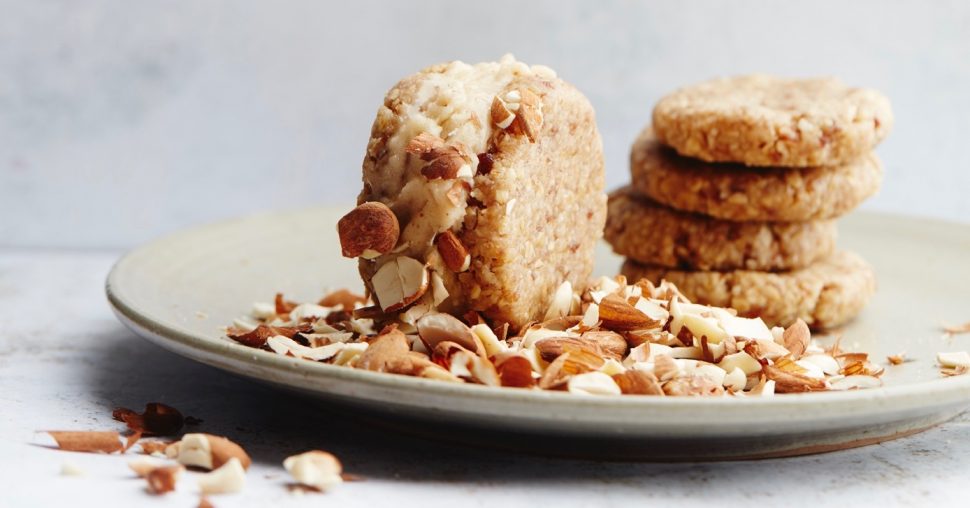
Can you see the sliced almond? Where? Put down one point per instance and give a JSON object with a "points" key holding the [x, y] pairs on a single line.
{"points": [[855, 382], [636, 382], [371, 227], [437, 327], [593, 383], [87, 441], [796, 338], [790, 382], [453, 253], [388, 347], [399, 282], [665, 368], [465, 364], [618, 315]]}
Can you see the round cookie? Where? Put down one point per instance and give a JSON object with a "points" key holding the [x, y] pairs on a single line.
{"points": [[735, 192], [647, 232], [825, 294], [762, 120], [495, 173]]}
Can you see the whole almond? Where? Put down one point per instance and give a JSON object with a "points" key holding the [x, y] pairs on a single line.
{"points": [[369, 230], [612, 343], [437, 327], [618, 315], [638, 382], [551, 348]]}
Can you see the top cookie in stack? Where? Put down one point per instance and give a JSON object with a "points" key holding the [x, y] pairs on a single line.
{"points": [[735, 189]]}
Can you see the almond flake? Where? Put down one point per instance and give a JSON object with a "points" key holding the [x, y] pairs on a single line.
{"points": [[635, 382], [796, 338], [87, 441]]}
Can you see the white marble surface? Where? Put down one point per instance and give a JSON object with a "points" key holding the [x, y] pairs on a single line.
{"points": [[141, 118], [65, 362]]}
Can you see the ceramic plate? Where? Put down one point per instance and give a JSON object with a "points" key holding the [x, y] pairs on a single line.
{"points": [[179, 291]]}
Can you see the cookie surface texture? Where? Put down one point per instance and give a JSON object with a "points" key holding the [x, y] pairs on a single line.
{"points": [[761, 120]]}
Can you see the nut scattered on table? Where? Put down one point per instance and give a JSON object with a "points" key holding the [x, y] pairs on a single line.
{"points": [[317, 469], [207, 451], [227, 478]]}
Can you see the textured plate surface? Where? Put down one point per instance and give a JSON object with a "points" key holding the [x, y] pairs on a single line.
{"points": [[180, 290]]}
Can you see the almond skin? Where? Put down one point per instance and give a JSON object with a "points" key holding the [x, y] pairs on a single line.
{"points": [[790, 382], [372, 226], [453, 253], [796, 338], [528, 119], [618, 315]]}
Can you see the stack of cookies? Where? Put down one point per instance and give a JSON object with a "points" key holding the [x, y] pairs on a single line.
{"points": [[735, 190]]}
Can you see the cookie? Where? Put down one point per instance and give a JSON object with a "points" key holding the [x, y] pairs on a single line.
{"points": [[736, 192], [825, 294], [768, 121], [641, 229], [495, 175]]}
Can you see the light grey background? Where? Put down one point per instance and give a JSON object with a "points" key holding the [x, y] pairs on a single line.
{"points": [[120, 121]]}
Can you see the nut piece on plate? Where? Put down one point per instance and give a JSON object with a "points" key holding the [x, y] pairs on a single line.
{"points": [[368, 231], [499, 194], [207, 451], [399, 282], [317, 469], [613, 338]]}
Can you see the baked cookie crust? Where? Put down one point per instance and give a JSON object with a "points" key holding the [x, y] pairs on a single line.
{"points": [[532, 206], [641, 229], [738, 193], [761, 120], [826, 294]]}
